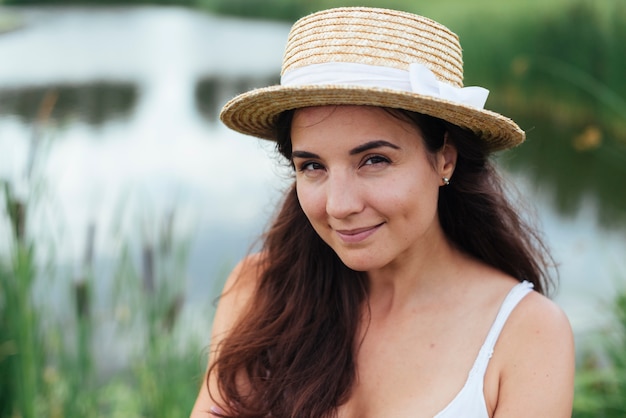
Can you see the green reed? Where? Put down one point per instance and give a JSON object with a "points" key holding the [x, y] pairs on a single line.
{"points": [[50, 350], [601, 377], [50, 368], [19, 320], [149, 292]]}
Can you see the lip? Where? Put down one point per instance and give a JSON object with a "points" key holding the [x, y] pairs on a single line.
{"points": [[353, 236]]}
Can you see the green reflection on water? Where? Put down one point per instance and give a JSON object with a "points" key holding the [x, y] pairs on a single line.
{"points": [[560, 76], [212, 92], [574, 163], [93, 103]]}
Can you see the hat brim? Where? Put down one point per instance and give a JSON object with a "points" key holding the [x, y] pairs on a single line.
{"points": [[256, 112]]}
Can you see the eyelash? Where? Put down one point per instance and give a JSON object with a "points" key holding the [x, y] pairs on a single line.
{"points": [[377, 159], [305, 166], [313, 165]]}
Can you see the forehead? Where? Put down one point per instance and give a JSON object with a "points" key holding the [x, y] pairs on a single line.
{"points": [[349, 122], [309, 116]]}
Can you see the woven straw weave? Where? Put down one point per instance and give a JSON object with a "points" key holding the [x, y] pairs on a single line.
{"points": [[386, 39], [371, 36]]}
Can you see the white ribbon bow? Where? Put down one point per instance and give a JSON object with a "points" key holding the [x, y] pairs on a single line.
{"points": [[419, 79]]}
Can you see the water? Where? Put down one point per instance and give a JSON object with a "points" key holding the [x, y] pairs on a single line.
{"points": [[135, 136]]}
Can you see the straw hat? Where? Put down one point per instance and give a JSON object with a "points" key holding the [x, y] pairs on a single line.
{"points": [[377, 57]]}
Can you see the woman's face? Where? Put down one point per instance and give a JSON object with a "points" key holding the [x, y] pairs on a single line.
{"points": [[367, 183]]}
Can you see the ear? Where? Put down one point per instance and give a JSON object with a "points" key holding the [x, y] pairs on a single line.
{"points": [[446, 159]]}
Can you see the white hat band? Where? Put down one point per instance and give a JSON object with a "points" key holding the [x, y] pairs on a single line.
{"points": [[419, 79]]}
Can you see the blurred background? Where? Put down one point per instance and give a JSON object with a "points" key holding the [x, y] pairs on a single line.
{"points": [[124, 203]]}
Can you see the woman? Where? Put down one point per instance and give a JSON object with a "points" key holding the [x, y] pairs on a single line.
{"points": [[396, 279]]}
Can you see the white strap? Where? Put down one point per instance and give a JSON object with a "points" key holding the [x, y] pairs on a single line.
{"points": [[419, 79], [514, 297]]}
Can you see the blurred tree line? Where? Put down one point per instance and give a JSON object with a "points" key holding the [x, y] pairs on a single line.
{"points": [[284, 10], [269, 9]]}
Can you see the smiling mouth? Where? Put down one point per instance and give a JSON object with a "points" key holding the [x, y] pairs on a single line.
{"points": [[352, 236]]}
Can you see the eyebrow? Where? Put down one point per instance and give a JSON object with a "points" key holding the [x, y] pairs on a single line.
{"points": [[372, 145], [303, 154], [354, 151]]}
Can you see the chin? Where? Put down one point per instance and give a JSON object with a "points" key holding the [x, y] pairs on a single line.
{"points": [[361, 263]]}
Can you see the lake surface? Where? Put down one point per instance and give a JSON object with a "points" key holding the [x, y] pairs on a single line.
{"points": [[136, 93]]}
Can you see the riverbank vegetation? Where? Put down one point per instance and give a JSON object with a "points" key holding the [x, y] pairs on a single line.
{"points": [[556, 67], [122, 352]]}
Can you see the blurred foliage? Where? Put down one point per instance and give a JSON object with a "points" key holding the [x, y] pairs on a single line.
{"points": [[560, 77], [49, 363], [601, 377], [20, 335]]}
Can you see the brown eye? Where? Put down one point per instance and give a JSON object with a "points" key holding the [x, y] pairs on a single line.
{"points": [[310, 166], [375, 160]]}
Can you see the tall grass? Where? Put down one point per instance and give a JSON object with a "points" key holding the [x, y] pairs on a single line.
{"points": [[53, 370], [52, 361], [601, 378], [20, 359]]}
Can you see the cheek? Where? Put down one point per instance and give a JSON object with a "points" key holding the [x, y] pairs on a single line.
{"points": [[408, 196], [311, 202]]}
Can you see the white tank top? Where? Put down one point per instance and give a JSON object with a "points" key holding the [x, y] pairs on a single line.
{"points": [[470, 401]]}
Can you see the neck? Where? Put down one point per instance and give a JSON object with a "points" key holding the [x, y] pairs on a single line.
{"points": [[416, 277]]}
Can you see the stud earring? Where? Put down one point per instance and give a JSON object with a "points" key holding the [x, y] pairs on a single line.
{"points": [[446, 181]]}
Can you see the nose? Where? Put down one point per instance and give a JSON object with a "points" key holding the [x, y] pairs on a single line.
{"points": [[342, 196]]}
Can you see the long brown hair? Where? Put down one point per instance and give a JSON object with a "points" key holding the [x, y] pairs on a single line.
{"points": [[296, 344]]}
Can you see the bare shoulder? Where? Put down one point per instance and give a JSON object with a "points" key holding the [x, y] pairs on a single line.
{"points": [[535, 358], [245, 275], [536, 315], [238, 291]]}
